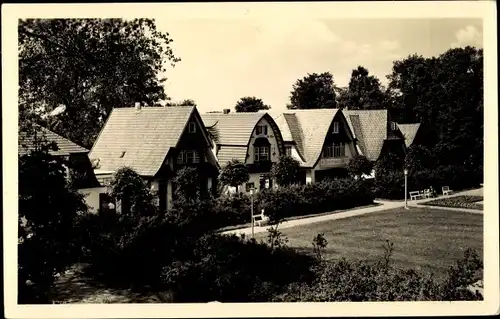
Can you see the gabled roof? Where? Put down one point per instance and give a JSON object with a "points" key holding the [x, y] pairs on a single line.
{"points": [[232, 128], [370, 129], [232, 133], [308, 128], [66, 147], [140, 139], [409, 132]]}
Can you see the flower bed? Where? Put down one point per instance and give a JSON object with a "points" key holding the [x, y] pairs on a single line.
{"points": [[463, 201]]}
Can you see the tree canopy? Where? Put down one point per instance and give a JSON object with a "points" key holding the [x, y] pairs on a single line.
{"points": [[285, 170], [186, 102], [314, 91], [250, 104], [363, 93], [234, 173], [445, 94], [86, 67], [359, 165]]}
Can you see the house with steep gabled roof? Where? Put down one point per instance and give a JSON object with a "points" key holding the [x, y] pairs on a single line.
{"points": [[320, 139], [78, 166], [156, 142], [252, 138], [376, 133]]}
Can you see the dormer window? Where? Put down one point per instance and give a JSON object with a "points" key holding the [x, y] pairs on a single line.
{"points": [[192, 127], [335, 128], [261, 129]]}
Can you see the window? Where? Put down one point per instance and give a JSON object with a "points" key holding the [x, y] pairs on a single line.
{"points": [[288, 150], [338, 150], [261, 129], [328, 151], [335, 150], [249, 186], [192, 127], [265, 182], [335, 128], [261, 153], [393, 126], [188, 157]]}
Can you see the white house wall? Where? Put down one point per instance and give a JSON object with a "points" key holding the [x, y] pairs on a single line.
{"points": [[92, 197], [271, 137]]}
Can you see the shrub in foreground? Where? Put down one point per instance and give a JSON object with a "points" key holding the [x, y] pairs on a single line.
{"points": [[231, 269], [344, 280]]}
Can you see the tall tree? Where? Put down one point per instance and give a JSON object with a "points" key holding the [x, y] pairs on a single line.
{"points": [[363, 93], [86, 67], [444, 93], [314, 91], [250, 104]]}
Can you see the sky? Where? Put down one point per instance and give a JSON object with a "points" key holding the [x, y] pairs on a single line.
{"points": [[223, 60]]}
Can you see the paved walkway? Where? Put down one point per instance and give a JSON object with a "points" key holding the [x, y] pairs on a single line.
{"points": [[384, 205], [317, 219]]}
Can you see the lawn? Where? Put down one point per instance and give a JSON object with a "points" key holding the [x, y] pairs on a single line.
{"points": [[426, 239], [462, 201]]}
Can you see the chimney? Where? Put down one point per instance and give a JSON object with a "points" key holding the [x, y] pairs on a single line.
{"points": [[226, 111], [137, 106]]}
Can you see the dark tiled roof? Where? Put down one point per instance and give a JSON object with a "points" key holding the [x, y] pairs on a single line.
{"points": [[66, 147], [409, 132], [308, 128], [371, 131], [140, 139]]}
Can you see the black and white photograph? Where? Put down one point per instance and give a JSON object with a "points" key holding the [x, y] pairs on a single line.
{"points": [[250, 155]]}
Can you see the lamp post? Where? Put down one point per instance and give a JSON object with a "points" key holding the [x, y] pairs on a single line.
{"points": [[251, 209], [406, 189]]}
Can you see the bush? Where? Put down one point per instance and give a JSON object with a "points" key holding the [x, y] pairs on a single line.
{"points": [[48, 209], [232, 210], [359, 165], [231, 269], [132, 248], [345, 280]]}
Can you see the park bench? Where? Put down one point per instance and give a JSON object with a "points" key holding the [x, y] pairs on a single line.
{"points": [[416, 195], [447, 190], [258, 219]]}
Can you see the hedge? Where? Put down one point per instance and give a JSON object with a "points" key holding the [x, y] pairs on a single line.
{"points": [[325, 196], [391, 184]]}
